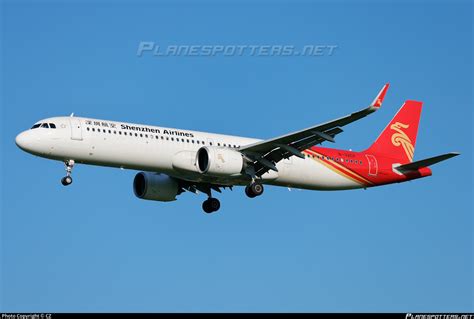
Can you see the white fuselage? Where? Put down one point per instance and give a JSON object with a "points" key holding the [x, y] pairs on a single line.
{"points": [[153, 149]]}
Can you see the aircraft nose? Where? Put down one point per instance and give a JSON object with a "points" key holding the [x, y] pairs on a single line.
{"points": [[23, 140]]}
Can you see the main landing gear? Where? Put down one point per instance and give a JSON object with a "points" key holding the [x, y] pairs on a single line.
{"points": [[253, 190], [67, 180], [211, 205]]}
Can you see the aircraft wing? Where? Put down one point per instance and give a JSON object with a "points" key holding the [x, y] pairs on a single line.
{"points": [[265, 154]]}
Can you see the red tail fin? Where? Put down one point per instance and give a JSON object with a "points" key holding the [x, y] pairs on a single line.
{"points": [[399, 137]]}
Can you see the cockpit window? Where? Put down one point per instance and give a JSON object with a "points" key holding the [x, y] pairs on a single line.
{"points": [[44, 125]]}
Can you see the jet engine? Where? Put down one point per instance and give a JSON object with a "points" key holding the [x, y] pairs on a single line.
{"points": [[216, 161], [155, 186]]}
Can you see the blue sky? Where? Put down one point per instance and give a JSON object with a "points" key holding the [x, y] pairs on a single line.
{"points": [[95, 247]]}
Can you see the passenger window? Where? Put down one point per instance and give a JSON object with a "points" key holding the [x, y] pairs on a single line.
{"points": [[218, 144], [110, 132], [93, 129], [136, 134], [141, 135], [88, 129], [172, 139]]}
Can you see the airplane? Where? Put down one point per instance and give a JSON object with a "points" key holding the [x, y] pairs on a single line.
{"points": [[172, 161]]}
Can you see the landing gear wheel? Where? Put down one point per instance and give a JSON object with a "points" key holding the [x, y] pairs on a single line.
{"points": [[215, 204], [248, 192], [67, 180], [254, 190], [257, 189], [211, 205]]}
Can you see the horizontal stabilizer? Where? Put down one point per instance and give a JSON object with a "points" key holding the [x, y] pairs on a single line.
{"points": [[414, 166]]}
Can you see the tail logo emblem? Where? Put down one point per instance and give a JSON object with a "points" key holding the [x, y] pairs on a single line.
{"points": [[401, 138]]}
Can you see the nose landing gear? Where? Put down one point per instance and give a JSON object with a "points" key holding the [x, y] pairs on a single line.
{"points": [[67, 180]]}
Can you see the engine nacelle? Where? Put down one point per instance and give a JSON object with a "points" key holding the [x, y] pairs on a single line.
{"points": [[216, 161], [155, 186]]}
